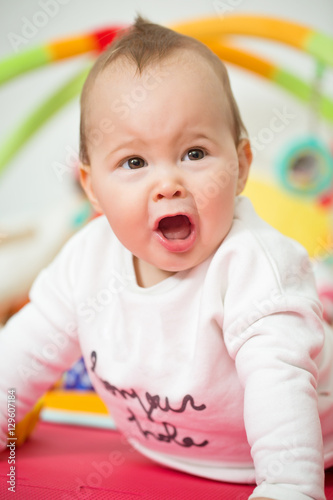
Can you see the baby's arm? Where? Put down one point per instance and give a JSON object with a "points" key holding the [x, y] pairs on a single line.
{"points": [[275, 363], [33, 355], [38, 343]]}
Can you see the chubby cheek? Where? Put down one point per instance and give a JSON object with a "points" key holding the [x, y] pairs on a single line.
{"points": [[216, 211], [122, 210]]}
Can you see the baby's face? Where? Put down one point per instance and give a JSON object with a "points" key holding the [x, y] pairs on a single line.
{"points": [[164, 165]]}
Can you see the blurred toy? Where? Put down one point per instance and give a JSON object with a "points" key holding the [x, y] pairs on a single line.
{"points": [[76, 407], [305, 168], [77, 377]]}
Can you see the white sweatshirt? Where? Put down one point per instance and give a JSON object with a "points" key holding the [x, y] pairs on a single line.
{"points": [[219, 371]]}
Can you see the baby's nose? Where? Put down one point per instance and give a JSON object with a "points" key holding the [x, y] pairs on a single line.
{"points": [[169, 185]]}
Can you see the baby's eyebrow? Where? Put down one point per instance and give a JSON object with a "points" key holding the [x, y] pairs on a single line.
{"points": [[198, 137], [124, 145]]}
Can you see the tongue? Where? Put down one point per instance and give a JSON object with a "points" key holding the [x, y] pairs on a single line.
{"points": [[177, 227]]}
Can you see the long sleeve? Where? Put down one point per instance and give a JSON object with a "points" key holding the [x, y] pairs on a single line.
{"points": [[275, 361], [40, 342], [274, 331]]}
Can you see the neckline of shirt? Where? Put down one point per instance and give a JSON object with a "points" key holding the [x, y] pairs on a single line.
{"points": [[161, 287]]}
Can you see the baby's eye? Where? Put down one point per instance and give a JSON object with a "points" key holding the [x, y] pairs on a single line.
{"points": [[195, 154], [134, 163]]}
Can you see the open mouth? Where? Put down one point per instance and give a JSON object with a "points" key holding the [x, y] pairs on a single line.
{"points": [[176, 227]]}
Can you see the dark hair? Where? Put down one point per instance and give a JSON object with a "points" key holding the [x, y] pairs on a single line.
{"points": [[144, 44]]}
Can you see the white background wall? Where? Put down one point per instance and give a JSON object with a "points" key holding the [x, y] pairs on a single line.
{"points": [[29, 185]]}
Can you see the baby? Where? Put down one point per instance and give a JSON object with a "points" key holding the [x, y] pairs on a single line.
{"points": [[199, 324]]}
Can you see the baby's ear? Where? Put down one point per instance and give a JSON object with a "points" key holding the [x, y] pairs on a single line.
{"points": [[244, 160], [86, 183]]}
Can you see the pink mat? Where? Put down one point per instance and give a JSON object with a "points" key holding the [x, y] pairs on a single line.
{"points": [[66, 462]]}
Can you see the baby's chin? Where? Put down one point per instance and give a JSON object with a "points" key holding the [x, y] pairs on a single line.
{"points": [[181, 264], [167, 268]]}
